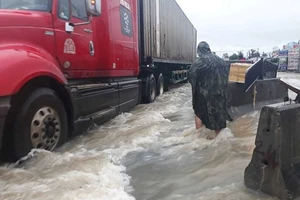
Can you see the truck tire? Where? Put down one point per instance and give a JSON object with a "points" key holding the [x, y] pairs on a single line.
{"points": [[166, 85], [160, 85], [41, 123], [150, 93], [185, 81]]}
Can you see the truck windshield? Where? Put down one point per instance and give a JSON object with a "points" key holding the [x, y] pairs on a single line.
{"points": [[37, 5]]}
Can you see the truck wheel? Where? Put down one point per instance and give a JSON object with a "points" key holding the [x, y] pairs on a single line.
{"points": [[160, 85], [185, 81], [150, 94], [40, 124], [166, 85]]}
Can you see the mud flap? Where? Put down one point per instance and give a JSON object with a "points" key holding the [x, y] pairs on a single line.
{"points": [[275, 165]]}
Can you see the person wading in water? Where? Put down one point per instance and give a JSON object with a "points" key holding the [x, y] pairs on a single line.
{"points": [[209, 80]]}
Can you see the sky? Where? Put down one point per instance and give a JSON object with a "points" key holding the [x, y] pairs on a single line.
{"points": [[233, 25]]}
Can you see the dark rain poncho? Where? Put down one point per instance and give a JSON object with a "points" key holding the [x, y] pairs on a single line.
{"points": [[209, 80]]}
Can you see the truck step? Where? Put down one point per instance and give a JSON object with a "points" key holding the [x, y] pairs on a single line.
{"points": [[99, 115], [84, 123]]}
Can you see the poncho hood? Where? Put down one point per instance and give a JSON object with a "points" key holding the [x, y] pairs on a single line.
{"points": [[203, 48]]}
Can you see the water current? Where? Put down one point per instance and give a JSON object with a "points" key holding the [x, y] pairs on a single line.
{"points": [[150, 153]]}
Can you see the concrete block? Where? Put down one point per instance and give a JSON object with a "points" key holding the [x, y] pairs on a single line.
{"points": [[263, 92], [275, 164]]}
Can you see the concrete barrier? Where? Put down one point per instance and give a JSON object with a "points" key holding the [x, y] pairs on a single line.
{"points": [[261, 93], [275, 164]]}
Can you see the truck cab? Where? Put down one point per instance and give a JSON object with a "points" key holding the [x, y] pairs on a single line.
{"points": [[65, 64]]}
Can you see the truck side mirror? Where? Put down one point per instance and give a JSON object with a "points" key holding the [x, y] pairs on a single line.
{"points": [[93, 7], [69, 27]]}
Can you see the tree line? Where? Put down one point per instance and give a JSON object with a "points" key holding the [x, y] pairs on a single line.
{"points": [[250, 54]]}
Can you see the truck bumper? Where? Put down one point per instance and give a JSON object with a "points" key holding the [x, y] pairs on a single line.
{"points": [[4, 107]]}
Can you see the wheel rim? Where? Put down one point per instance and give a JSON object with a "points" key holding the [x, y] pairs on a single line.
{"points": [[45, 129], [153, 91], [161, 85]]}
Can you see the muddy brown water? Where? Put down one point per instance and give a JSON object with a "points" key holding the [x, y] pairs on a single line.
{"points": [[151, 153]]}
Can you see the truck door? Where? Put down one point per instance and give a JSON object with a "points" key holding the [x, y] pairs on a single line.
{"points": [[74, 49]]}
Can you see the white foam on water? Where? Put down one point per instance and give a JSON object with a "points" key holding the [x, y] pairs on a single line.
{"points": [[187, 136], [66, 176], [129, 121], [191, 139], [174, 100], [90, 167], [224, 135]]}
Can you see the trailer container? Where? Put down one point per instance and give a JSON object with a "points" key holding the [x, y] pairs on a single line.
{"points": [[167, 44], [167, 34]]}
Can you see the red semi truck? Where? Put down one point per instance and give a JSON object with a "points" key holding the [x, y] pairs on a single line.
{"points": [[66, 64]]}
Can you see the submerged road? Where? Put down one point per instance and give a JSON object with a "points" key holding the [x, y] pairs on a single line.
{"points": [[151, 153]]}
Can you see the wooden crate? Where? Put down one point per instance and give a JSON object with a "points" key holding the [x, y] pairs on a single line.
{"points": [[238, 72]]}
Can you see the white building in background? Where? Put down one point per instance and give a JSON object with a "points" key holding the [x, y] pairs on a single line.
{"points": [[275, 52]]}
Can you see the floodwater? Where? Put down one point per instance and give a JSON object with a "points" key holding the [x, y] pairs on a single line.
{"points": [[151, 153]]}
